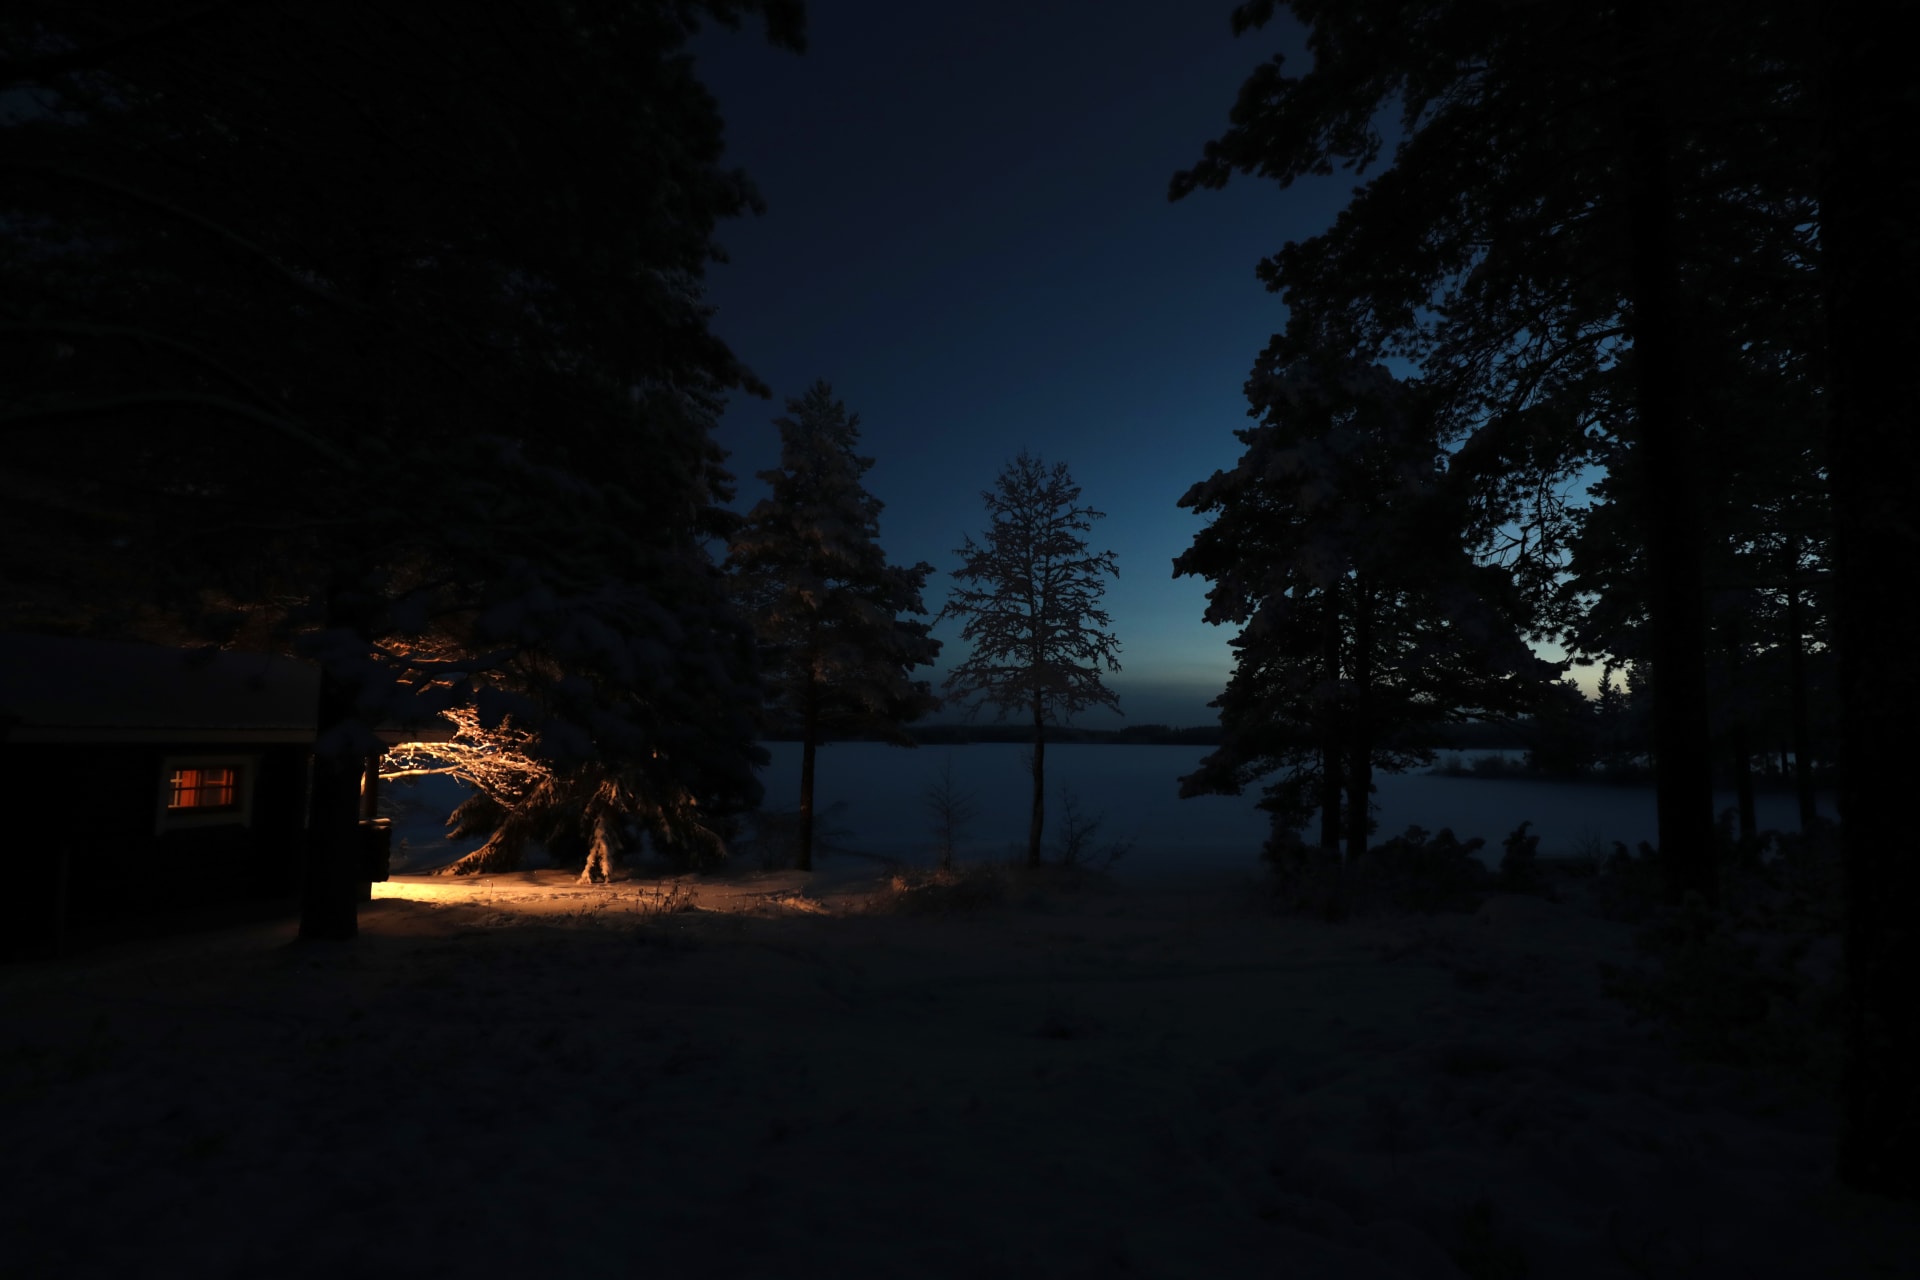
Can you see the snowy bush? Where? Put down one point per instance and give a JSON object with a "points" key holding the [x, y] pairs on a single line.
{"points": [[950, 809], [1411, 872], [1754, 981], [1308, 880], [941, 892], [1074, 845], [1520, 865], [1628, 886]]}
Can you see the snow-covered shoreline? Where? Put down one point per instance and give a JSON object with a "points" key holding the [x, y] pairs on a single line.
{"points": [[874, 796], [1108, 1080]]}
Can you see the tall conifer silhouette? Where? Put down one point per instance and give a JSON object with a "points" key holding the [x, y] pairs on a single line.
{"points": [[826, 602]]}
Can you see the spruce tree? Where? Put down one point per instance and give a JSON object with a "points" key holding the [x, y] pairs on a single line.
{"points": [[1338, 549], [1029, 596], [1576, 190], [386, 336], [827, 605]]}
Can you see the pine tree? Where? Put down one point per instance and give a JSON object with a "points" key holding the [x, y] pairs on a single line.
{"points": [[397, 341], [1339, 550], [1576, 190], [837, 653], [1029, 596]]}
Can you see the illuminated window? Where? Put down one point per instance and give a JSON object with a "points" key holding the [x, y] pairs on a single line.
{"points": [[201, 789]]}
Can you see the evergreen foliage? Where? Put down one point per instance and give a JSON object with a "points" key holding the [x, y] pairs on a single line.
{"points": [[378, 335], [1667, 238], [826, 604], [1338, 547], [1569, 211]]}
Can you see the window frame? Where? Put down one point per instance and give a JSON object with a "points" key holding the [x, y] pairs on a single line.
{"points": [[240, 813]]}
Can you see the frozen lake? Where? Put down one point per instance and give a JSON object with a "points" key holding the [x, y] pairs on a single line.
{"points": [[1136, 789], [879, 791]]}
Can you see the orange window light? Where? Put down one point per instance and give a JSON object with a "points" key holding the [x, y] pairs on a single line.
{"points": [[205, 788]]}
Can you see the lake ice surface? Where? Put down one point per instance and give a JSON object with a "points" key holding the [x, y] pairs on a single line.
{"points": [[1136, 791], [871, 801]]}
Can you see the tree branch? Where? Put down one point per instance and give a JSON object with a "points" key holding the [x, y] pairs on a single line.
{"points": [[103, 405], [14, 71], [225, 233], [146, 337]]}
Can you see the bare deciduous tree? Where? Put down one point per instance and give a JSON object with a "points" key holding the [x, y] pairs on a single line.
{"points": [[1030, 598]]}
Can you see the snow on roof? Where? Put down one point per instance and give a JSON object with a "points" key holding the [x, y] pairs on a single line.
{"points": [[68, 689]]}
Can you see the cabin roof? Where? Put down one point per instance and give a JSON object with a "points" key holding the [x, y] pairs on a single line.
{"points": [[70, 689]]}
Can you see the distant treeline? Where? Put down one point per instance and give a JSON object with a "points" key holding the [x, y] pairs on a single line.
{"points": [[1467, 736]]}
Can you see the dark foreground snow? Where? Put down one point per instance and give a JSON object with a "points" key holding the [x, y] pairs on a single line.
{"points": [[519, 1076]]}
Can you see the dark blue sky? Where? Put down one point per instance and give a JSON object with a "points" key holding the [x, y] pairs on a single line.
{"points": [[968, 235]]}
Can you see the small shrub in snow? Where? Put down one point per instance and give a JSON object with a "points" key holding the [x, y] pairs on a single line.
{"points": [[941, 892], [1308, 880], [1073, 846], [1798, 883], [1628, 887], [1756, 981], [1411, 872], [951, 809], [1587, 856], [663, 900], [1493, 767], [1520, 864]]}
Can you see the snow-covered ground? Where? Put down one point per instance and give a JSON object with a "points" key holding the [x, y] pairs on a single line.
{"points": [[519, 1076]]}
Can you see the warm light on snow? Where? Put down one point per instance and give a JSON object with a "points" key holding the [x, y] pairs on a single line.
{"points": [[527, 892], [560, 893]]}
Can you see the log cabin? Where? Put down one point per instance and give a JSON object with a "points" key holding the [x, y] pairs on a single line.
{"points": [[150, 789]]}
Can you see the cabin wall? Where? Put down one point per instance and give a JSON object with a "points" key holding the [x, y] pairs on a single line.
{"points": [[88, 864]]}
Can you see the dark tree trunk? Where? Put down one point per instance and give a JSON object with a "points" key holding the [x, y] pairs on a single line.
{"points": [[369, 811], [330, 894], [335, 872], [1873, 277], [1739, 734], [1743, 787], [1332, 750], [1359, 799], [1797, 694], [1330, 797], [809, 738], [1360, 727], [1038, 818], [1668, 447]]}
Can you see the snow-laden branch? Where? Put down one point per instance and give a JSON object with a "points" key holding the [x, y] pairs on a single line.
{"points": [[498, 762]]}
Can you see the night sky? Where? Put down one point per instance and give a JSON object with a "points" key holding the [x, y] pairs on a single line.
{"points": [[968, 235]]}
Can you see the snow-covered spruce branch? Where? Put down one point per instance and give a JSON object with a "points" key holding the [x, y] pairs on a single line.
{"points": [[147, 338], [499, 762], [255, 251], [47, 411]]}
